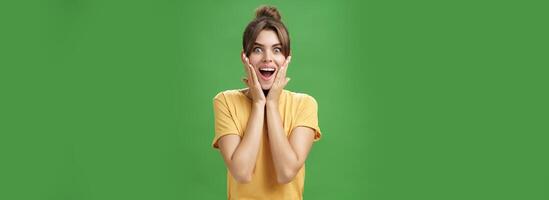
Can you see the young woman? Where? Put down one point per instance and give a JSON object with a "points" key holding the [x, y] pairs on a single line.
{"points": [[265, 132]]}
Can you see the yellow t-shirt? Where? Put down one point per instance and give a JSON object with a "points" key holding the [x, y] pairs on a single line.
{"points": [[232, 109]]}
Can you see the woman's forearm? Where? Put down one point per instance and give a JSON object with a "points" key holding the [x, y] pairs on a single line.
{"points": [[284, 157], [245, 155]]}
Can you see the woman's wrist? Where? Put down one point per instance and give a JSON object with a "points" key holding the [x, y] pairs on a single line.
{"points": [[272, 103], [259, 104]]}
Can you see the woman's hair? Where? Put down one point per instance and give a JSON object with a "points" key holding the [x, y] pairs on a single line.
{"points": [[266, 18]]}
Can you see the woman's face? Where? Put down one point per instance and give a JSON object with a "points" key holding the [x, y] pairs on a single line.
{"points": [[266, 57]]}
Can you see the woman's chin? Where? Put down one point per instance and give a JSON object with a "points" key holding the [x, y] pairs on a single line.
{"points": [[265, 88]]}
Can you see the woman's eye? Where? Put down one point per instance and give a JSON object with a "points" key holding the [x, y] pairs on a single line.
{"points": [[257, 50], [277, 50]]}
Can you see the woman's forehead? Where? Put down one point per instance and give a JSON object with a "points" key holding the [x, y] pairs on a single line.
{"points": [[267, 38]]}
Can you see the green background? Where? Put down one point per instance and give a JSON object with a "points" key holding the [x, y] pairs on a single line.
{"points": [[417, 99]]}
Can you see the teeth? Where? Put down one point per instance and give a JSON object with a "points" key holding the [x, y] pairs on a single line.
{"points": [[267, 69]]}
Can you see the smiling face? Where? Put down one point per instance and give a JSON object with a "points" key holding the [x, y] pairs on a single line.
{"points": [[266, 57]]}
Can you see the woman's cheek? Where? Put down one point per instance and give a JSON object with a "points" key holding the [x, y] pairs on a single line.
{"points": [[280, 61], [254, 60]]}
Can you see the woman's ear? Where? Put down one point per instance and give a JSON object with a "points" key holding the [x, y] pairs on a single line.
{"points": [[244, 52], [243, 56]]}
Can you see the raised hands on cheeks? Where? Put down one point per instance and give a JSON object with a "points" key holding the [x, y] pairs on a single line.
{"points": [[254, 88], [279, 83], [255, 92]]}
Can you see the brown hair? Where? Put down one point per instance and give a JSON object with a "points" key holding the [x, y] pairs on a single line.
{"points": [[266, 18]]}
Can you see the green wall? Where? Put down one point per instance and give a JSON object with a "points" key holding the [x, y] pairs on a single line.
{"points": [[417, 99]]}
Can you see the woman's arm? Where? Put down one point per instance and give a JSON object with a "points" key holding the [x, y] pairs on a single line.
{"points": [[288, 155], [240, 155]]}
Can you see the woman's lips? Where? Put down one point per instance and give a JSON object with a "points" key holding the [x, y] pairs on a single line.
{"points": [[267, 77]]}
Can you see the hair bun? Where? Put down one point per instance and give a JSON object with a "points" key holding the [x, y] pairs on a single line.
{"points": [[267, 11]]}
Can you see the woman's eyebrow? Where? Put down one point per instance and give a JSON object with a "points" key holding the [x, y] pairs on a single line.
{"points": [[259, 44]]}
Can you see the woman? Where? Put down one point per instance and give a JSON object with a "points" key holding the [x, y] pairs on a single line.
{"points": [[264, 132]]}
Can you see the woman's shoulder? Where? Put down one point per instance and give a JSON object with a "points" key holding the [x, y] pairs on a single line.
{"points": [[230, 94], [300, 96]]}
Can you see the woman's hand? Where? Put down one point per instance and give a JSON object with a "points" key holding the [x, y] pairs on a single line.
{"points": [[279, 83], [254, 88]]}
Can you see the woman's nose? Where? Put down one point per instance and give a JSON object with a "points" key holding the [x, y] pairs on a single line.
{"points": [[267, 57]]}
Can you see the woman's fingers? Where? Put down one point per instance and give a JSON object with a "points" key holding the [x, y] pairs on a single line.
{"points": [[251, 71], [247, 61], [254, 75], [286, 63], [245, 65], [281, 74], [252, 79]]}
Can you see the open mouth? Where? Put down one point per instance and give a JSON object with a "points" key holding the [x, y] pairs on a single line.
{"points": [[267, 73]]}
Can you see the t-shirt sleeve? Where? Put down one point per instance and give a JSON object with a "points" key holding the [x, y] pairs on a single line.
{"points": [[224, 122], [307, 116]]}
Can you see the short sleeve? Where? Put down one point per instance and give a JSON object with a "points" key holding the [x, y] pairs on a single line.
{"points": [[224, 122], [307, 115]]}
